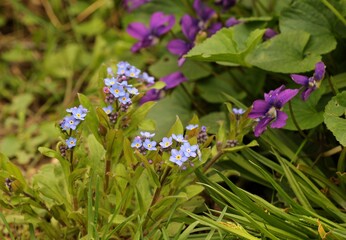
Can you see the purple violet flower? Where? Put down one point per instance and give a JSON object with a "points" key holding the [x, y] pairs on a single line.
{"points": [[204, 12], [225, 4], [131, 5], [205, 15], [189, 27], [159, 25], [268, 111], [151, 95], [232, 21], [174, 79], [269, 33], [310, 83]]}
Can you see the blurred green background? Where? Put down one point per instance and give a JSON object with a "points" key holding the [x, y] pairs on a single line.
{"points": [[50, 51]]}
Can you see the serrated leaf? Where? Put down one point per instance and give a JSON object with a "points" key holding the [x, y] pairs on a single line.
{"points": [[282, 54], [334, 117], [230, 45]]}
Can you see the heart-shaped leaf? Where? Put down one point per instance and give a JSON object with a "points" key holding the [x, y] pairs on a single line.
{"points": [[334, 117]]}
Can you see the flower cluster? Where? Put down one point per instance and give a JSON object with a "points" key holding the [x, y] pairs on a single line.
{"points": [[181, 150], [70, 123], [118, 89]]}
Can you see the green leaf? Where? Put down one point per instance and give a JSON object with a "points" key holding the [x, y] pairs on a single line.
{"points": [[314, 18], [96, 154], [227, 227], [283, 54], [293, 183], [334, 117], [138, 116], [51, 184], [177, 127], [54, 154], [10, 145], [165, 111], [306, 113], [164, 66], [210, 89], [91, 120], [128, 153], [92, 27], [230, 45], [212, 121]]}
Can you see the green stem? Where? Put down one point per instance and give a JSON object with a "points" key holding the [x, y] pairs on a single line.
{"points": [[342, 161], [107, 172], [295, 121], [198, 108], [156, 195], [335, 91], [333, 9], [212, 161]]}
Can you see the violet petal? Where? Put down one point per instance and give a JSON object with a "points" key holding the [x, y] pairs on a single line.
{"points": [[138, 30], [320, 70], [280, 121], [174, 79], [300, 79]]}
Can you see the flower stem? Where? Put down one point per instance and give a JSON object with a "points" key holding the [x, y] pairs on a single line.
{"points": [[295, 121], [107, 172], [335, 91], [333, 9], [212, 161], [342, 161]]}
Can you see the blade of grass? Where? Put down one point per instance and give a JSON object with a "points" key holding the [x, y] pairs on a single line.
{"points": [[334, 191], [293, 182], [7, 226], [264, 213], [228, 227]]}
